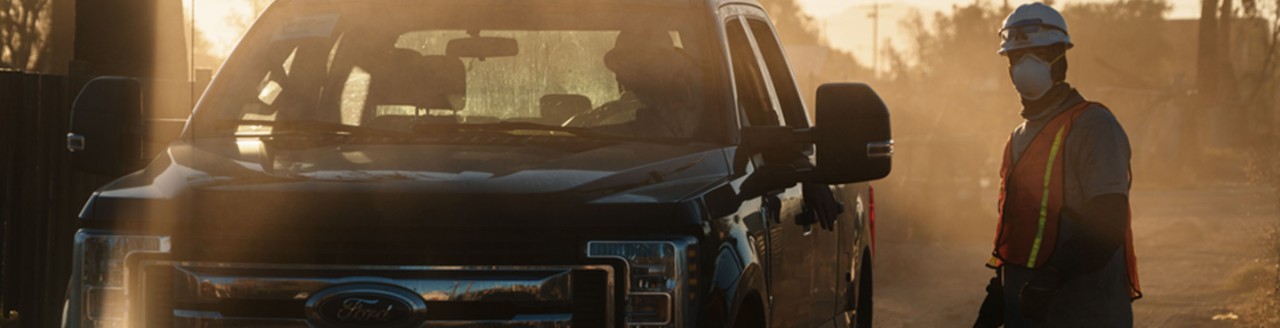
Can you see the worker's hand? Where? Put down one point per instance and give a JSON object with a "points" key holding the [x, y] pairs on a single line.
{"points": [[1035, 297], [820, 206], [992, 312]]}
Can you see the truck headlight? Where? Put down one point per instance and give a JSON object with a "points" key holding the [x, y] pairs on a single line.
{"points": [[97, 281], [659, 270]]}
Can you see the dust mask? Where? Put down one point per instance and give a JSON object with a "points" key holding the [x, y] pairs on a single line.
{"points": [[1032, 76]]}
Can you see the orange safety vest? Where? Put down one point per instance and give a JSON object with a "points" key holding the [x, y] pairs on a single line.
{"points": [[1032, 196]]}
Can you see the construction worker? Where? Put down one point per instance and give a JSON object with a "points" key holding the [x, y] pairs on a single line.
{"points": [[1064, 249]]}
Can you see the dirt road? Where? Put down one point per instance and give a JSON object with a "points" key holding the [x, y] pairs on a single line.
{"points": [[1208, 258]]}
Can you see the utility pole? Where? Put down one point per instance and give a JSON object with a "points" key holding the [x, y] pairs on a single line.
{"points": [[875, 37]]}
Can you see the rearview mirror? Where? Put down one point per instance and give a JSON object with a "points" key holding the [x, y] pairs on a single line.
{"points": [[852, 134], [482, 47], [106, 127]]}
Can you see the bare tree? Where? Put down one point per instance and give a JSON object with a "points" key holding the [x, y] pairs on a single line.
{"points": [[1268, 65], [23, 33]]}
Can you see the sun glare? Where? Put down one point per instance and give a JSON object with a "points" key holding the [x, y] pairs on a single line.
{"points": [[221, 22]]}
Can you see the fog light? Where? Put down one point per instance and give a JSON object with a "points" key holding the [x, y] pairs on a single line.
{"points": [[649, 308]]}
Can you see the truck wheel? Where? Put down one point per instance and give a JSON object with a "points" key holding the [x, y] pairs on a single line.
{"points": [[865, 308], [750, 316]]}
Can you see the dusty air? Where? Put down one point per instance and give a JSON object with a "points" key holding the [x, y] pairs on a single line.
{"points": [[640, 163]]}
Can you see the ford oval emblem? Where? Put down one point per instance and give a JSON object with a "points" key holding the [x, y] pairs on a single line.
{"points": [[366, 305]]}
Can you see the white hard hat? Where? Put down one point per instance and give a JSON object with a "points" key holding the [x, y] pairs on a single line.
{"points": [[1033, 25]]}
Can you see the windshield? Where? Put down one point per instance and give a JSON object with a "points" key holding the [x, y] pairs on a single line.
{"points": [[446, 67]]}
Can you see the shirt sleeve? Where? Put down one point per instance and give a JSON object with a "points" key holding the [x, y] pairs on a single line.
{"points": [[1102, 154]]}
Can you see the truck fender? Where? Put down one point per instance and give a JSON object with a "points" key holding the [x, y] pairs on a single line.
{"points": [[734, 283]]}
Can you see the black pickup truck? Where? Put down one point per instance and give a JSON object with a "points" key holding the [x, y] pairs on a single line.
{"points": [[486, 163]]}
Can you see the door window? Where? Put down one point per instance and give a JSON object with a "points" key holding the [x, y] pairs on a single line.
{"points": [[784, 86], [757, 107]]}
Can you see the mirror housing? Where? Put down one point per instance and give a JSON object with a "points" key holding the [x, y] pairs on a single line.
{"points": [[852, 138], [852, 134], [107, 126], [482, 47]]}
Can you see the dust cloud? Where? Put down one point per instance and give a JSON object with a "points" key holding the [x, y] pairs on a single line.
{"points": [[1202, 122], [954, 106]]}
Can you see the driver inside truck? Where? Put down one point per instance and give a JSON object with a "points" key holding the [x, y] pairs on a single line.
{"points": [[658, 89]]}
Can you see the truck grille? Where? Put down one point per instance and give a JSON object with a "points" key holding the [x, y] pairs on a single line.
{"points": [[203, 294]]}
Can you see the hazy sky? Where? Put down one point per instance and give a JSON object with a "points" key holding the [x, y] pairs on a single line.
{"points": [[846, 21], [824, 8], [847, 27]]}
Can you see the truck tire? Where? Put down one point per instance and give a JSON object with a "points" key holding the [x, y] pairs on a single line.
{"points": [[866, 305], [750, 316]]}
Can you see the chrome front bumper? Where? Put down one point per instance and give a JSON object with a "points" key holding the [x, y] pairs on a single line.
{"points": [[165, 293]]}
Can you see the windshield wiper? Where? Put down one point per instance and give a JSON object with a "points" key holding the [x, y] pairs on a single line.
{"points": [[506, 127], [311, 126]]}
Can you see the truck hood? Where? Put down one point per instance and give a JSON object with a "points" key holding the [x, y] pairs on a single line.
{"points": [[218, 179]]}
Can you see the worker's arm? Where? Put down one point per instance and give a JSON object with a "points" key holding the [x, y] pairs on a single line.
{"points": [[1100, 232], [1098, 156]]}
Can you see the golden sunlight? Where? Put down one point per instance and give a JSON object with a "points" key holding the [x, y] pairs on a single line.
{"points": [[219, 25]]}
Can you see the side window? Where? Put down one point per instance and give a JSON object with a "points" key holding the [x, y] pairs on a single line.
{"points": [[753, 92], [784, 85]]}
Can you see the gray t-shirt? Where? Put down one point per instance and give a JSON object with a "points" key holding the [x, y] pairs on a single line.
{"points": [[1096, 155], [1096, 152]]}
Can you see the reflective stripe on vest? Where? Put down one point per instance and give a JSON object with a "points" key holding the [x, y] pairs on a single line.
{"points": [[1031, 194], [1044, 200]]}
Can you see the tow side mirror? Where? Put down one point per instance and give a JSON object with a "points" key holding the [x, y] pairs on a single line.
{"points": [[106, 127], [852, 134]]}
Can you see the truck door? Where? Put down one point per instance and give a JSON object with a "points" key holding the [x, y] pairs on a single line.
{"points": [[798, 261], [821, 245]]}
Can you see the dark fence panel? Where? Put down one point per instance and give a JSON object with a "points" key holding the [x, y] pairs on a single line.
{"points": [[40, 195]]}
